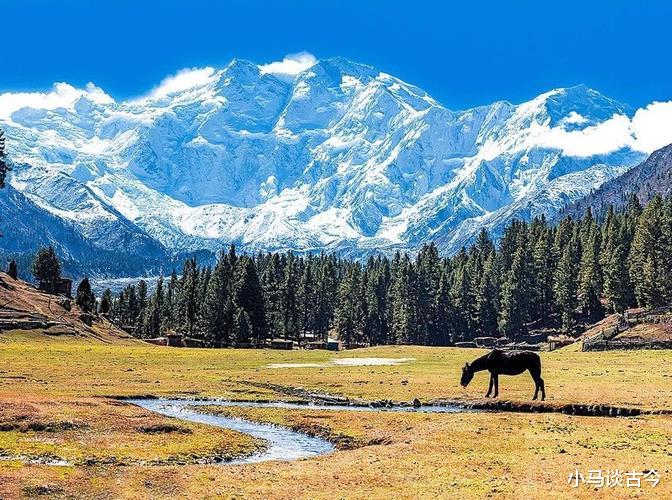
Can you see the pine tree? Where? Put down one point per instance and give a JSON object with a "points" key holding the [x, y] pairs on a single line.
{"points": [[376, 324], [565, 287], [242, 330], [12, 270], [248, 296], [46, 267], [617, 285], [444, 332], [326, 296], [427, 285], [188, 305], [462, 300], [543, 263], [271, 284], [590, 276], [142, 298], [152, 316], [85, 298], [106, 301], [484, 244], [486, 298], [349, 315], [647, 255], [170, 302], [306, 300], [132, 309], [213, 323], [204, 276], [515, 296], [229, 334], [665, 246]]}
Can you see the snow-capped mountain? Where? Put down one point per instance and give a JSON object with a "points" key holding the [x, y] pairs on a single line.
{"points": [[335, 156]]}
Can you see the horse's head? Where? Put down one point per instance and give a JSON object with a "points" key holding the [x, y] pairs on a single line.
{"points": [[467, 375]]}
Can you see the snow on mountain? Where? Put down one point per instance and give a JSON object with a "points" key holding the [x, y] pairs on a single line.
{"points": [[325, 154]]}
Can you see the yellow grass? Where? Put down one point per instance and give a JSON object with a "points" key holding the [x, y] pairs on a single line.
{"points": [[461, 455], [99, 431], [76, 369]]}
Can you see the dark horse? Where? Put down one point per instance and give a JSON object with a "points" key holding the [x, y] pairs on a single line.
{"points": [[506, 363]]}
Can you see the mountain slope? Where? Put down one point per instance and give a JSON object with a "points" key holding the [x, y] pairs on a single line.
{"points": [[28, 313], [651, 177], [337, 157]]}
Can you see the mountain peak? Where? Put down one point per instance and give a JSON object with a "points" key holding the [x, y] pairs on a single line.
{"points": [[580, 106], [241, 67]]}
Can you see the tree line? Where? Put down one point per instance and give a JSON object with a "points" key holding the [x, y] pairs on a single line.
{"points": [[539, 275]]}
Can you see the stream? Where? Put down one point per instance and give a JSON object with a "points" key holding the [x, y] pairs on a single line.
{"points": [[283, 443]]}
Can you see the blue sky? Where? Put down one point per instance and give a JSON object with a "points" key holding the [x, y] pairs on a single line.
{"points": [[462, 53]]}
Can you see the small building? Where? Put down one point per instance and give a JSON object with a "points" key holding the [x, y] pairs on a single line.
{"points": [[556, 342], [61, 286], [333, 345], [315, 345], [282, 344], [193, 342], [466, 344], [175, 340], [485, 341], [157, 341]]}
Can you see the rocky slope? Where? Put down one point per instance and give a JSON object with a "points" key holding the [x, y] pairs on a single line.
{"points": [[25, 310]]}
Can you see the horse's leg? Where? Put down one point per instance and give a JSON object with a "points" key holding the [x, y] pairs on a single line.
{"points": [[490, 387], [536, 389], [496, 377], [538, 382]]}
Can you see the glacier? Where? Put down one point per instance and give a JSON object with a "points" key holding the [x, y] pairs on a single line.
{"points": [[337, 157]]}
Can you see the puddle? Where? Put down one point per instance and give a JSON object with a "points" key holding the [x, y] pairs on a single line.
{"points": [[371, 361], [297, 365], [346, 362]]}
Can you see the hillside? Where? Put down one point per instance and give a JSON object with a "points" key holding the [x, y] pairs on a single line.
{"points": [[338, 156], [651, 177], [25, 310]]}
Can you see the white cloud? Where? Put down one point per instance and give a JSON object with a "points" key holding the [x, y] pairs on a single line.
{"points": [[649, 129], [574, 118], [184, 79], [292, 64], [652, 126], [602, 138], [62, 95]]}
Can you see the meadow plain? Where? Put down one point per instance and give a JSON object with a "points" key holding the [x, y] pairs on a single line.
{"points": [[65, 430]]}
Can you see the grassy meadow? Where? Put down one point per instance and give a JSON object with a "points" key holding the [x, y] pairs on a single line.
{"points": [[57, 401]]}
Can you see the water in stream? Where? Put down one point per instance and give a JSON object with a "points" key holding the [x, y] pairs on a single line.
{"points": [[282, 443]]}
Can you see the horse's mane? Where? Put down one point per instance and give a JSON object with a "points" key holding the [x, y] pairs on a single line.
{"points": [[479, 364]]}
